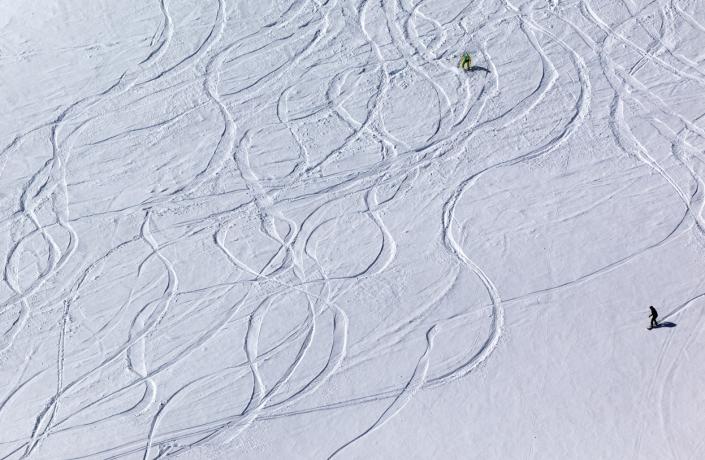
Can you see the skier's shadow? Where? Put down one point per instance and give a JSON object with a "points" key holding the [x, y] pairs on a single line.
{"points": [[665, 324], [478, 67]]}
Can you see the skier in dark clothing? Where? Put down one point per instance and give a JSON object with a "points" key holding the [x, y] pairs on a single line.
{"points": [[654, 315]]}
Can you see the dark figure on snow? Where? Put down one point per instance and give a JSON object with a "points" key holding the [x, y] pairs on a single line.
{"points": [[654, 315]]}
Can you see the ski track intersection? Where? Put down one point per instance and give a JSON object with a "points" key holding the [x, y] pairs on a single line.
{"points": [[297, 229]]}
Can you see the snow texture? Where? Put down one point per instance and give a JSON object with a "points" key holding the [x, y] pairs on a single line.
{"points": [[296, 229]]}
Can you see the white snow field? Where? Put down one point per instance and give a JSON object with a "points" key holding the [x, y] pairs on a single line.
{"points": [[295, 229]]}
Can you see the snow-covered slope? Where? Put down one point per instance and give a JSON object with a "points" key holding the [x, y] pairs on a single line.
{"points": [[296, 229]]}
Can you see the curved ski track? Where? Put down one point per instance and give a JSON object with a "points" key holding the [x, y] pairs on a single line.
{"points": [[255, 252]]}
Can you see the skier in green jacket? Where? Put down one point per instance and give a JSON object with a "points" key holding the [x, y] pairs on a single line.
{"points": [[466, 61]]}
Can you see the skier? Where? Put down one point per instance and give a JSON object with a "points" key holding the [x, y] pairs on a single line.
{"points": [[654, 315], [466, 61]]}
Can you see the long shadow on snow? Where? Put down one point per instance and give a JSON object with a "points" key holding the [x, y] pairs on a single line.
{"points": [[665, 324], [477, 67]]}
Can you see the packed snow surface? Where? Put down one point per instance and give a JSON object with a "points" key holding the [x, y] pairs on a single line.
{"points": [[269, 229]]}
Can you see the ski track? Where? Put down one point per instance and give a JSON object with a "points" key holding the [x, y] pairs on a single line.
{"points": [[254, 218]]}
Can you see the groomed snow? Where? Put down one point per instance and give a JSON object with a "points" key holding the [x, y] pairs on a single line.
{"points": [[266, 229]]}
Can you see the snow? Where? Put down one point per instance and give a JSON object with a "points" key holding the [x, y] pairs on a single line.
{"points": [[296, 229]]}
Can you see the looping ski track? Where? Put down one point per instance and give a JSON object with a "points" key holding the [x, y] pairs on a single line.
{"points": [[259, 212]]}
